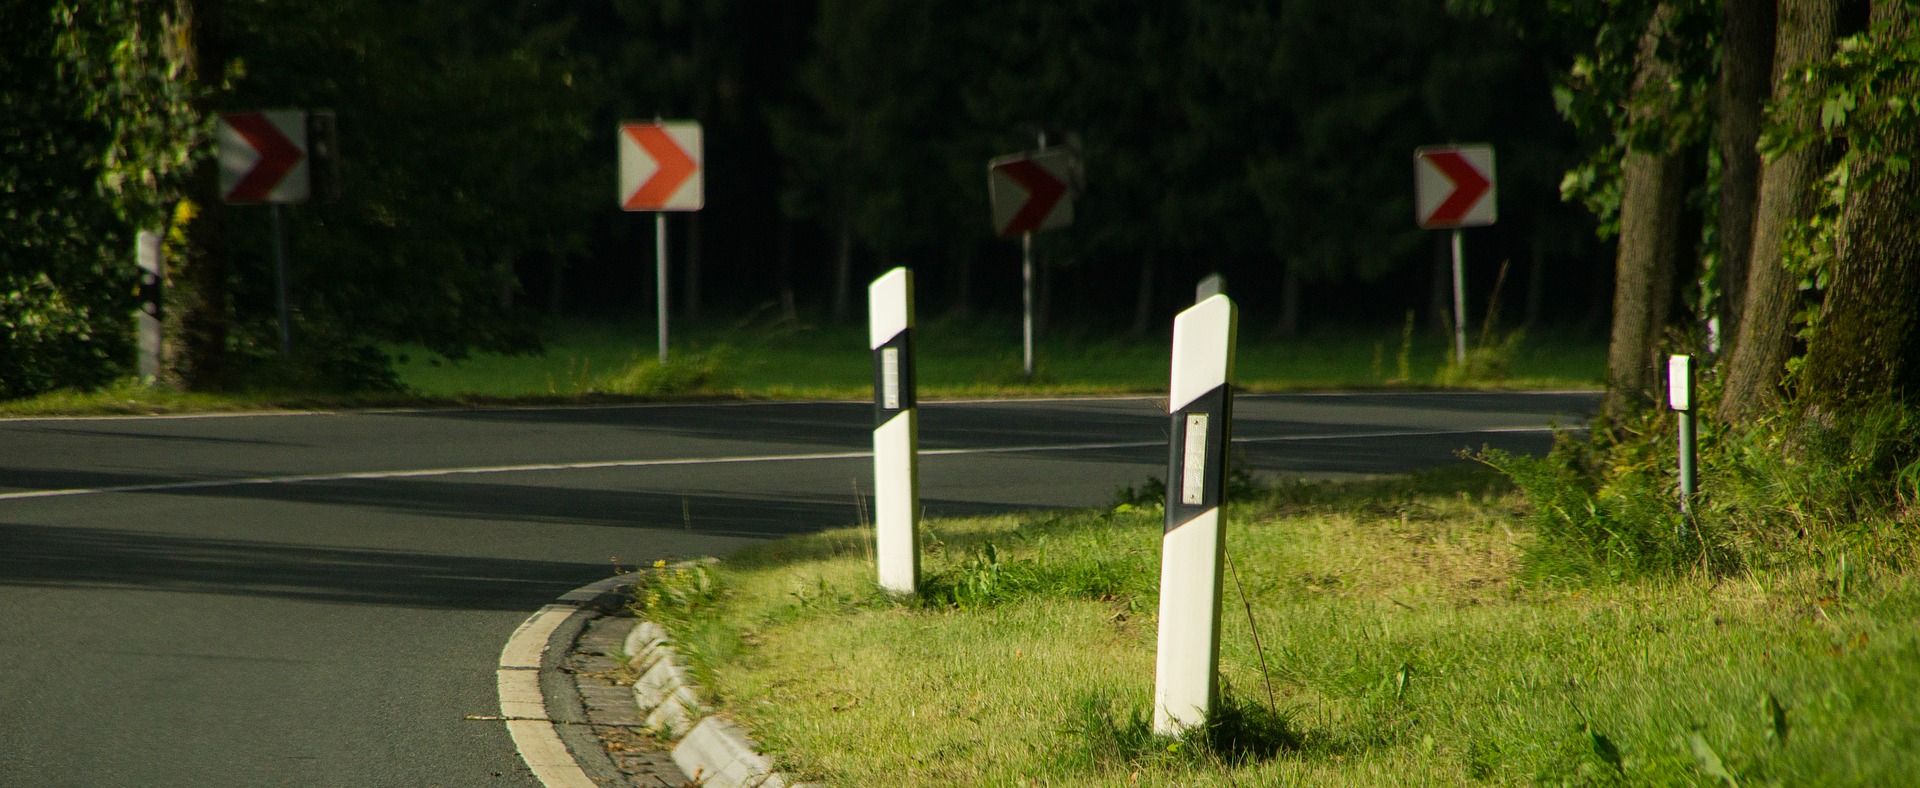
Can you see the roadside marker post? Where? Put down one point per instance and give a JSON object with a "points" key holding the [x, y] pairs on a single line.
{"points": [[1680, 400], [661, 169], [1193, 547], [896, 432], [152, 302], [264, 159], [1454, 188], [1029, 193], [1209, 286]]}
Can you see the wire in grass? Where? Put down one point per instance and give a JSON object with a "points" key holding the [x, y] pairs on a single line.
{"points": [[1266, 675]]}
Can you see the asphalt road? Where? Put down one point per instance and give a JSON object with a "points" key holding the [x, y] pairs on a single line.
{"points": [[320, 599]]}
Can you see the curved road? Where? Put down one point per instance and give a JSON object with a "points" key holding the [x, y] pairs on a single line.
{"points": [[320, 599]]}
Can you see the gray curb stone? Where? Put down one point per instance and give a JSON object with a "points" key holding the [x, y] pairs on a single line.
{"points": [[711, 749]]}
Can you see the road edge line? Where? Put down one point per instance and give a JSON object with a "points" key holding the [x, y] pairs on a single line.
{"points": [[523, 704]]}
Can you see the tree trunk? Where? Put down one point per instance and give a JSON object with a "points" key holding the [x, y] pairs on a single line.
{"points": [[194, 355], [1746, 63], [1863, 347], [1043, 294], [843, 271], [690, 284], [783, 241], [1653, 192], [1536, 287], [1289, 327], [1143, 299], [1765, 340]]}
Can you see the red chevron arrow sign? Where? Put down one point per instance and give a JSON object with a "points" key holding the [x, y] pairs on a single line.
{"points": [[1454, 186], [263, 157], [1031, 192], [660, 166]]}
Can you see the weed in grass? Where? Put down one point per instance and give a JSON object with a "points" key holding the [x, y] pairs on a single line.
{"points": [[674, 593], [1487, 362], [687, 373]]}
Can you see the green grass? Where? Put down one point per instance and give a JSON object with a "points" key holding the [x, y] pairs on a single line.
{"points": [[1402, 642], [971, 360], [587, 362]]}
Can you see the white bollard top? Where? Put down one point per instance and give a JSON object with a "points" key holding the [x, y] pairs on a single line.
{"points": [[1680, 382], [1203, 338], [890, 306]]}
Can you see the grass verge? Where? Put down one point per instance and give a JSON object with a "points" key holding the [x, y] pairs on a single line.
{"points": [[611, 362], [1404, 644]]}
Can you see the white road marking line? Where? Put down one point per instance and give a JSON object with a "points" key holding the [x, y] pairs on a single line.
{"points": [[730, 460], [521, 701]]}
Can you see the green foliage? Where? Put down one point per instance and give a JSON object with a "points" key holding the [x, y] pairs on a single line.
{"points": [[674, 593], [131, 65], [66, 283], [1868, 101], [1787, 489], [51, 341]]}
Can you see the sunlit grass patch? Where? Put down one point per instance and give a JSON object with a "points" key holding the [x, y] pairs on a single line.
{"points": [[1400, 642]]}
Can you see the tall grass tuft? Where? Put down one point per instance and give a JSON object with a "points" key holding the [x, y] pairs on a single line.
{"points": [[1240, 732], [684, 374], [1792, 488]]}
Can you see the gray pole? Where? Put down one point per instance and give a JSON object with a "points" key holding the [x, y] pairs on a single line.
{"points": [[1459, 304], [660, 280], [280, 283], [1026, 301], [1026, 290]]}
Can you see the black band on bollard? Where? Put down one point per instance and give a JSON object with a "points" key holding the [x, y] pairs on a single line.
{"points": [[1197, 456], [893, 381]]}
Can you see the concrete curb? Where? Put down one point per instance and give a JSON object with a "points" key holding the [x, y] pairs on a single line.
{"points": [[711, 749]]}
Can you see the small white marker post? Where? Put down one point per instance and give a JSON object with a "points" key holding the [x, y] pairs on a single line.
{"points": [[1193, 548], [896, 432], [146, 254], [1680, 399]]}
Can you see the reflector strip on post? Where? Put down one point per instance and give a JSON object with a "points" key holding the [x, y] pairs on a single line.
{"points": [[896, 432], [1200, 409]]}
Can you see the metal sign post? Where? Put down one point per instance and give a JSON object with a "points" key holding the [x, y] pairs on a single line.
{"points": [[660, 282], [896, 432], [1459, 302], [1193, 548]]}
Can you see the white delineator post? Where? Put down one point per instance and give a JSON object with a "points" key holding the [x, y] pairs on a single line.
{"points": [[152, 302], [1192, 551], [896, 432], [1680, 399]]}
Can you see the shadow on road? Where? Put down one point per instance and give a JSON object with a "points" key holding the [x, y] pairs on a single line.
{"points": [[100, 558]]}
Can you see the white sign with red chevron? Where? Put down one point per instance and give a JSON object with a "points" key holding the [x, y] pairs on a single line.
{"points": [[660, 166], [1031, 191], [263, 157], [1453, 186]]}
